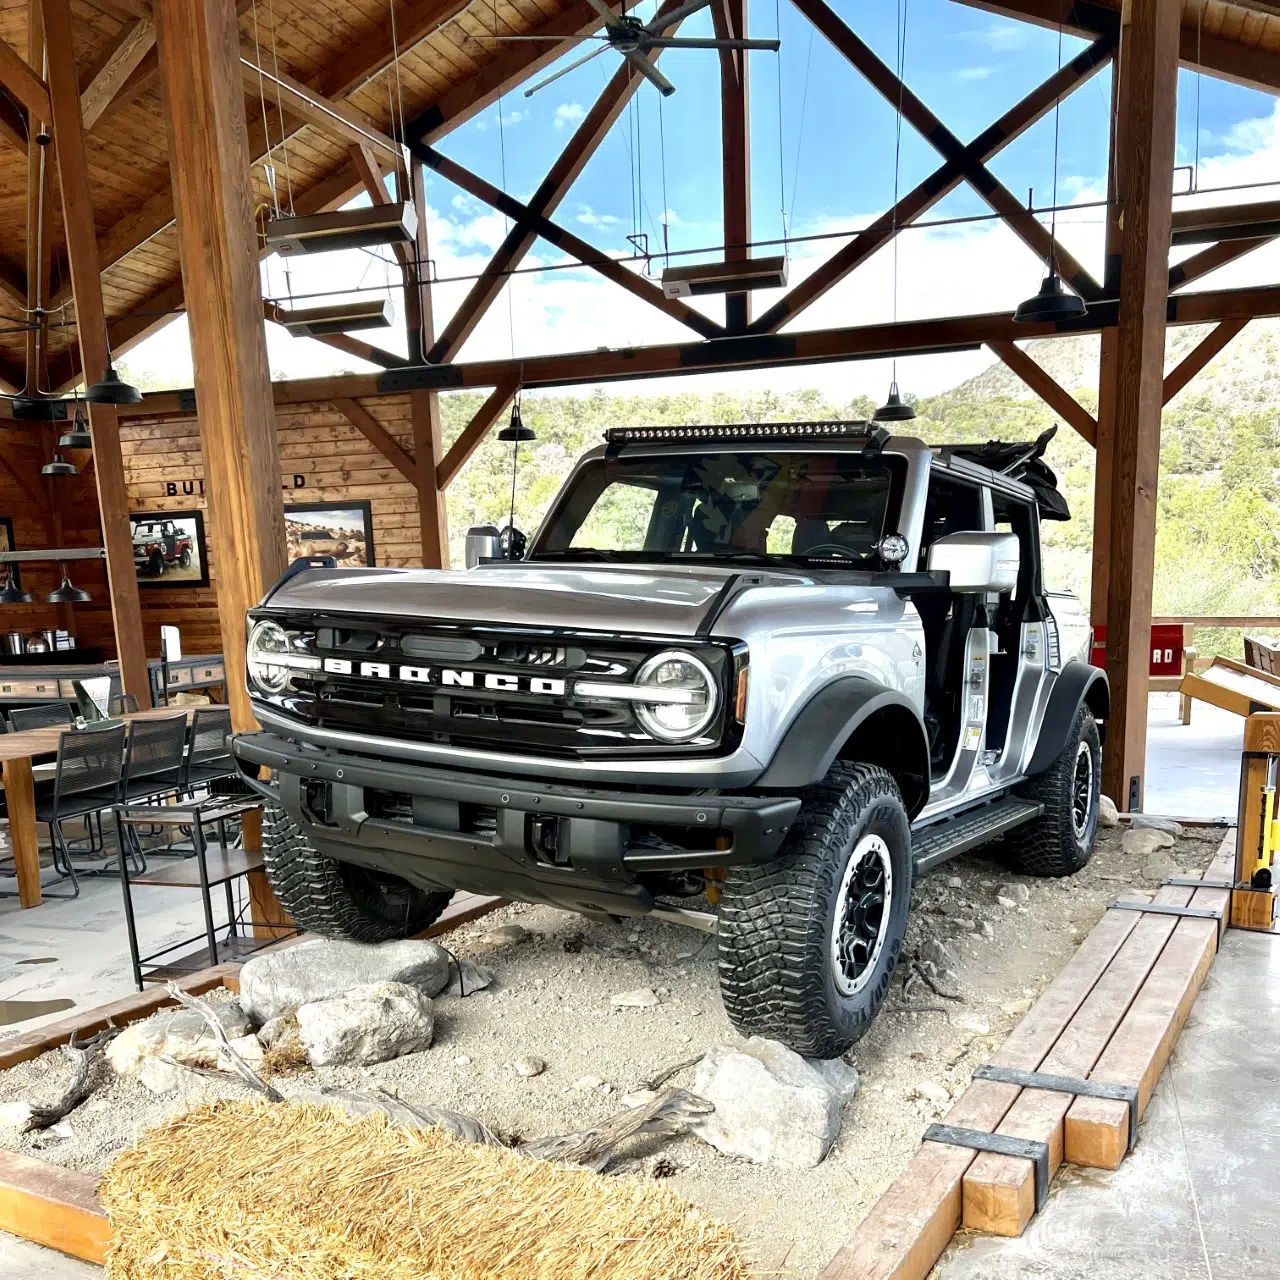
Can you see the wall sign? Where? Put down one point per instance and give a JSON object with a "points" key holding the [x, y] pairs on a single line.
{"points": [[195, 488]]}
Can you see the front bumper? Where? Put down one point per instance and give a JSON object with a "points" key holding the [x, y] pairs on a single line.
{"points": [[581, 847]]}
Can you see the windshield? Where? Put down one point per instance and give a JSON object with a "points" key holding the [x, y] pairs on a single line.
{"points": [[780, 505], [146, 530]]}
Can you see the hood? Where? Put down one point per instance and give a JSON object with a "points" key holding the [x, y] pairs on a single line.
{"points": [[642, 600]]}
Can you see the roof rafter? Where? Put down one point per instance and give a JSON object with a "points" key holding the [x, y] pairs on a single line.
{"points": [[119, 61]]}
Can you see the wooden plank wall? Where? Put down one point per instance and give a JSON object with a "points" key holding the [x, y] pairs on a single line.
{"points": [[323, 458]]}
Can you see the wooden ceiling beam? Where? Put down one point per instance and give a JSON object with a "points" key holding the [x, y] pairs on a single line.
{"points": [[553, 233], [473, 434], [943, 180], [1209, 346], [1061, 401], [1210, 259], [13, 283], [1023, 224], [368, 58], [333, 118], [378, 436], [13, 124], [113, 70], [369, 171], [1226, 221], [554, 187], [17, 76]]}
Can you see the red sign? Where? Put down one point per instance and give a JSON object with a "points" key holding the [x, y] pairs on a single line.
{"points": [[1165, 650]]}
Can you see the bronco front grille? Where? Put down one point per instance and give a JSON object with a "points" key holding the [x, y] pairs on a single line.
{"points": [[485, 689]]}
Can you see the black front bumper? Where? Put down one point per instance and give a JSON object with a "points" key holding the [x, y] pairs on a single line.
{"points": [[580, 847]]}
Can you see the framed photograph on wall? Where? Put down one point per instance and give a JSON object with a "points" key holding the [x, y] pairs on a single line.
{"points": [[169, 548], [10, 574], [343, 530]]}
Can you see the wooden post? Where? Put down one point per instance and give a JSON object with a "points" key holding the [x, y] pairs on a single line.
{"points": [[1145, 149], [198, 42], [91, 330], [730, 19]]}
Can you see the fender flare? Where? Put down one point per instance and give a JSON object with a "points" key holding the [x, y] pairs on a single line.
{"points": [[1077, 683], [828, 720]]}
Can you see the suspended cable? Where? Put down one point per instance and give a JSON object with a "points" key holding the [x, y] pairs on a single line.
{"points": [[269, 167], [284, 139], [1195, 172], [666, 206], [804, 102], [782, 178]]}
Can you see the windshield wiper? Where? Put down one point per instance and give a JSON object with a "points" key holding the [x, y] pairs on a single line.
{"points": [[575, 553]]}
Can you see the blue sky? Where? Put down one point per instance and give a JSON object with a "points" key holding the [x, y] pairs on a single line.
{"points": [[837, 172]]}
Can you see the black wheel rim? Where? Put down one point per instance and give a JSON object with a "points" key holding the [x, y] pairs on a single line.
{"points": [[1082, 790], [861, 914]]}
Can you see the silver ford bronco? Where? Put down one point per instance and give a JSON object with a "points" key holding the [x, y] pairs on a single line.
{"points": [[748, 678]]}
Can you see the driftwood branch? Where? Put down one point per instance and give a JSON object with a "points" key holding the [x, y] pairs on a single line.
{"points": [[214, 1023], [84, 1057], [658, 1079]]}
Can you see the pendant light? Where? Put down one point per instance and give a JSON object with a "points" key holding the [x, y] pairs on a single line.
{"points": [[894, 409], [111, 389], [515, 432], [14, 594], [66, 592], [78, 437], [1053, 303], [59, 467]]}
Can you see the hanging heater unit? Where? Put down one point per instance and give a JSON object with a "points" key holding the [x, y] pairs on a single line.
{"points": [[339, 317], [395, 223], [724, 277]]}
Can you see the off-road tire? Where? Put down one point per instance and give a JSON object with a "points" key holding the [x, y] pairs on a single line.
{"points": [[1052, 845], [776, 919], [336, 899], [184, 560], [156, 564]]}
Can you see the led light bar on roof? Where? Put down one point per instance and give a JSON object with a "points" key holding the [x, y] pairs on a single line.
{"points": [[744, 431]]}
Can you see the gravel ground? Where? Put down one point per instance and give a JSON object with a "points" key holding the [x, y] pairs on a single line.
{"points": [[551, 998]]}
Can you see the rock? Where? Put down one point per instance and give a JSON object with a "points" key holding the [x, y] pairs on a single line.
{"points": [[587, 1082], [841, 1077], [1160, 867], [62, 1129], [1018, 892], [248, 1047], [966, 924], [475, 977], [954, 882], [972, 1022], [181, 1034], [1141, 841], [370, 1023], [277, 983], [772, 1107], [934, 1093], [1016, 1007], [1150, 822], [507, 935], [1002, 901], [633, 937], [641, 998], [462, 1060], [529, 1067], [640, 1098], [684, 955], [934, 952], [277, 1029], [13, 1115], [164, 1077], [1108, 814]]}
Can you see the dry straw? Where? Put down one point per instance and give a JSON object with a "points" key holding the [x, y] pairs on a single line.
{"points": [[255, 1191]]}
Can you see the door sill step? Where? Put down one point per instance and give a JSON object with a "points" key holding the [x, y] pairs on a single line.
{"points": [[940, 841]]}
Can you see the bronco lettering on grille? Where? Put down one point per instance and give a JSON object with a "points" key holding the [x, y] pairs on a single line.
{"points": [[497, 682]]}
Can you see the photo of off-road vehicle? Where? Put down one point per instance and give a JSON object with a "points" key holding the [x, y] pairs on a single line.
{"points": [[159, 545], [752, 679]]}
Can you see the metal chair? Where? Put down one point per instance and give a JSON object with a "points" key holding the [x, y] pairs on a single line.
{"points": [[154, 767], [208, 757], [45, 717], [87, 779], [121, 704]]}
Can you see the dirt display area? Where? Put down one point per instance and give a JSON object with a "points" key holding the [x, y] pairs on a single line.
{"points": [[981, 946]]}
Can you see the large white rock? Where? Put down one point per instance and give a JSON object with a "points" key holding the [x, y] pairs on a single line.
{"points": [[180, 1034], [278, 983], [1144, 841], [1108, 814], [1153, 822], [772, 1106], [370, 1023]]}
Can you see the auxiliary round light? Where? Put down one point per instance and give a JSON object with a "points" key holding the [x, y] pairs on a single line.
{"points": [[267, 641], [684, 698], [893, 548]]}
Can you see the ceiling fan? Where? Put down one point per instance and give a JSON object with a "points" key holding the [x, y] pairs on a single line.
{"points": [[633, 39]]}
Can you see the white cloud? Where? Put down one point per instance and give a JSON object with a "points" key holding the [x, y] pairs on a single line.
{"points": [[1002, 36], [570, 113], [973, 73], [590, 218]]}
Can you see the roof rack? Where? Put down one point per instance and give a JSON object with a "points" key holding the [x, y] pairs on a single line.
{"points": [[850, 430]]}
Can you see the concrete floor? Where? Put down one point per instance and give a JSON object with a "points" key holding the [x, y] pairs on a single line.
{"points": [[1193, 771], [1199, 1198]]}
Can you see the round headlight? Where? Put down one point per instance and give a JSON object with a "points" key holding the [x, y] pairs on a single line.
{"points": [[268, 642], [678, 696]]}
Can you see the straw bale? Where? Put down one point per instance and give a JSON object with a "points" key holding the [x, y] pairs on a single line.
{"points": [[252, 1191]]}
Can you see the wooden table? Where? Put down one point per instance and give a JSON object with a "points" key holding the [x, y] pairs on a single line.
{"points": [[17, 750]]}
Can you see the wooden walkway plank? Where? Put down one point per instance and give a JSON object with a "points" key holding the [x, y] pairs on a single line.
{"points": [[911, 1224], [999, 1191], [55, 1207], [1096, 1129]]}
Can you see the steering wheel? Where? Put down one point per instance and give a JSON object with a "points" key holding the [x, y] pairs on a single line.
{"points": [[831, 548]]}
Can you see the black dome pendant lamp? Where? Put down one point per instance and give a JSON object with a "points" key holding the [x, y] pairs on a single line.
{"points": [[894, 409], [111, 388], [67, 592], [515, 432], [78, 437], [59, 467], [1053, 303], [14, 594]]}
